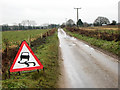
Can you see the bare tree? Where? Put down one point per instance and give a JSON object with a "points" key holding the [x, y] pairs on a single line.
{"points": [[33, 23], [23, 23], [70, 22], [29, 23]]}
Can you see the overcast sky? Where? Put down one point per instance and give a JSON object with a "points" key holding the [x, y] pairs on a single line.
{"points": [[56, 11]]}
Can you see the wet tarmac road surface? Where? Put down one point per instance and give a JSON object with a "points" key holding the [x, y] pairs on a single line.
{"points": [[84, 66]]}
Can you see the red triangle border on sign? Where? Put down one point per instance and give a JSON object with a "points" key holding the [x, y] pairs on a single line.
{"points": [[27, 68]]}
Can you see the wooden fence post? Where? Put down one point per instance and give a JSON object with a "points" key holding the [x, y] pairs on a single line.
{"points": [[38, 70], [19, 73], [9, 73], [46, 34], [43, 70], [29, 39], [41, 36]]}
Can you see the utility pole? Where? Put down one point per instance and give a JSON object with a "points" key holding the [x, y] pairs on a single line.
{"points": [[77, 14]]}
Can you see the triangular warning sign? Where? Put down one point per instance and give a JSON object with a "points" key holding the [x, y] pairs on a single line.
{"points": [[25, 59]]}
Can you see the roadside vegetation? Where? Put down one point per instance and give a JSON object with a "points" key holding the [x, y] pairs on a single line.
{"points": [[108, 40], [46, 49]]}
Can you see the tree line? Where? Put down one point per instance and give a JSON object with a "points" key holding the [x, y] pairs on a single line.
{"points": [[100, 21], [26, 25]]}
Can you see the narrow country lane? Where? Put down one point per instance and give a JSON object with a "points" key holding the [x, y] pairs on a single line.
{"points": [[84, 66]]}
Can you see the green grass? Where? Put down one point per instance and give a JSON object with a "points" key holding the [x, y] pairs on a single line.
{"points": [[110, 46], [48, 55], [16, 37]]}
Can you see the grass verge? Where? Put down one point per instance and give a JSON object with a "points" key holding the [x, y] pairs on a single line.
{"points": [[47, 52], [110, 46]]}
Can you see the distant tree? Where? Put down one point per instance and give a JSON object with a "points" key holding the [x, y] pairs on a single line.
{"points": [[15, 27], [53, 26], [113, 22], [63, 25], [29, 23], [33, 23], [70, 22], [5, 27], [21, 27], [85, 24], [90, 24], [101, 20], [79, 22], [23, 23], [38, 27]]}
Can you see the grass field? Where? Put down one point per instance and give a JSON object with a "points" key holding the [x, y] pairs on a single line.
{"points": [[16, 37], [111, 46], [109, 29], [46, 49]]}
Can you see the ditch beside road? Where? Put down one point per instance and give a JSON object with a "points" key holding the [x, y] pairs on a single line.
{"points": [[82, 66]]}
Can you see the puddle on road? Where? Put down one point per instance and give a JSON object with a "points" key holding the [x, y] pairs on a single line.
{"points": [[62, 34], [72, 44], [88, 46]]}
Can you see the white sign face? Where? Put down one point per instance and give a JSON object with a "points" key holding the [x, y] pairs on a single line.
{"points": [[25, 59]]}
